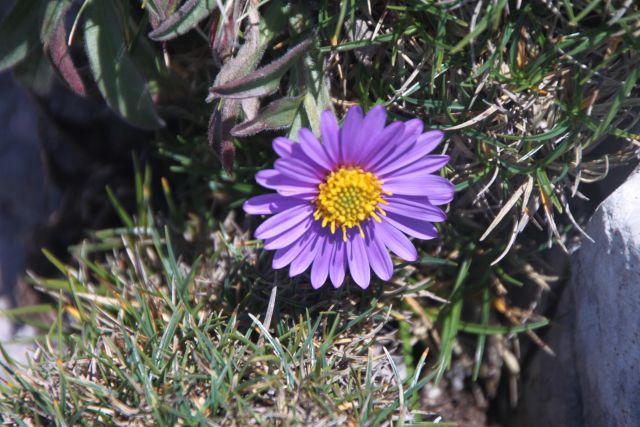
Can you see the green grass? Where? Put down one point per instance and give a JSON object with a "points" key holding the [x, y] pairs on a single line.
{"points": [[176, 316]]}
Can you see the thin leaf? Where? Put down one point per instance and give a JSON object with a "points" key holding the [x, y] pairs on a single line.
{"points": [[224, 112], [264, 80], [318, 98], [476, 328], [118, 79], [56, 46], [224, 32], [486, 312], [53, 14], [503, 212], [277, 347], [451, 323], [278, 114], [30, 309], [396, 374], [190, 14], [159, 10], [220, 123]]}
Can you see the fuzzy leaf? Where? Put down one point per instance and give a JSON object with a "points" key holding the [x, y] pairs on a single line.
{"points": [[278, 114], [187, 17], [159, 9], [224, 32], [19, 31], [118, 79], [53, 14], [318, 98], [61, 59], [221, 121], [261, 31], [54, 38], [263, 81], [257, 38]]}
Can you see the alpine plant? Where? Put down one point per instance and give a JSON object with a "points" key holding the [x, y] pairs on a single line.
{"points": [[343, 202]]}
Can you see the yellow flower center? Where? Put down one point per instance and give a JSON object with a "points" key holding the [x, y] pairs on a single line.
{"points": [[348, 197]]}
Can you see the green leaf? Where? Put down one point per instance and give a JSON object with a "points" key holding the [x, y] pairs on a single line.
{"points": [[318, 98], [190, 14], [118, 79], [35, 72], [277, 115], [27, 310], [19, 32], [429, 260], [481, 329], [451, 322], [545, 184]]}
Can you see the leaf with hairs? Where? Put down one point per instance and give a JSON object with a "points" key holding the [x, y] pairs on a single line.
{"points": [[159, 10], [117, 77], [186, 18], [54, 38], [278, 114], [61, 59], [221, 121], [260, 32], [224, 32], [53, 14], [318, 98], [20, 31], [263, 81]]}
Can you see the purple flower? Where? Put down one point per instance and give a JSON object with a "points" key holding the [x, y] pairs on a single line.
{"points": [[342, 203]]}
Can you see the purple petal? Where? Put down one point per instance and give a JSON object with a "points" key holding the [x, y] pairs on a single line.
{"points": [[330, 139], [402, 144], [438, 189], [413, 128], [372, 125], [435, 201], [378, 256], [411, 208], [338, 263], [283, 221], [358, 262], [306, 256], [409, 153], [424, 166], [413, 227], [287, 186], [383, 145], [396, 241], [349, 134], [320, 268], [314, 150], [298, 170], [284, 256], [290, 235], [282, 146], [267, 204]]}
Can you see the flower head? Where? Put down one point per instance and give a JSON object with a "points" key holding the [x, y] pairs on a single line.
{"points": [[342, 203]]}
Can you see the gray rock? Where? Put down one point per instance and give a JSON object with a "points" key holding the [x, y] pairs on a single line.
{"points": [[22, 187], [595, 378], [23, 203]]}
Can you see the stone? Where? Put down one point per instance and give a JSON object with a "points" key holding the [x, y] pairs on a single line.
{"points": [[595, 378]]}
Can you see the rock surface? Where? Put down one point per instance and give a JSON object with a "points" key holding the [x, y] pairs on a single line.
{"points": [[595, 378], [24, 199]]}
